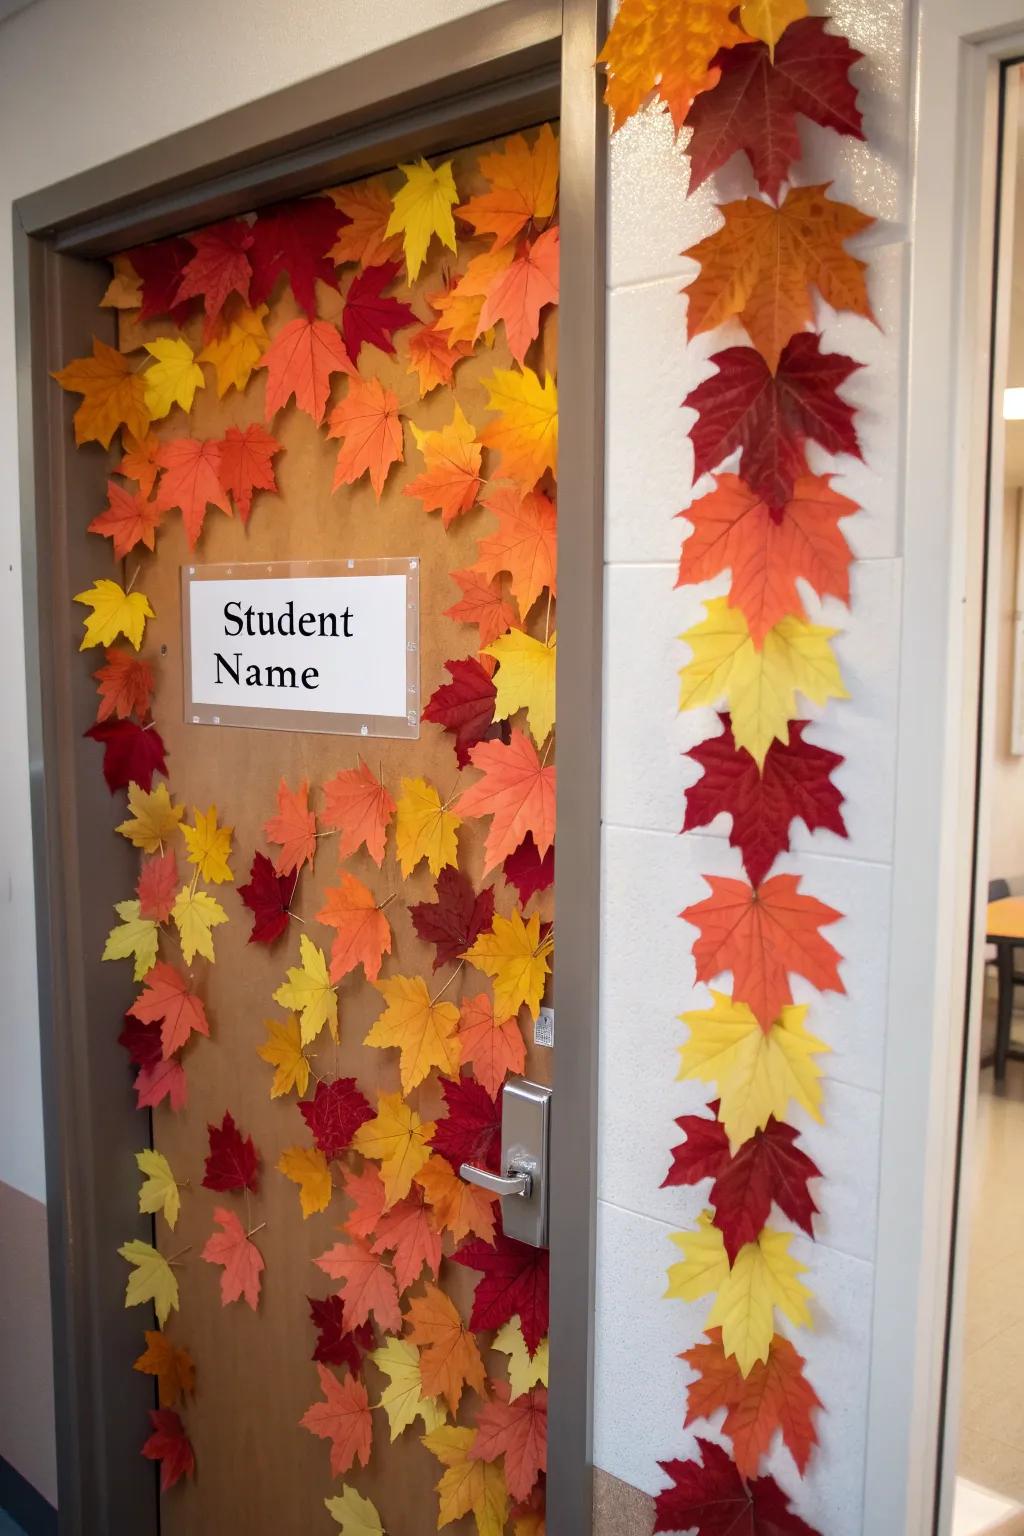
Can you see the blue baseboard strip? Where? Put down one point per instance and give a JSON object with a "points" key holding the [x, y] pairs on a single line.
{"points": [[24, 1503]]}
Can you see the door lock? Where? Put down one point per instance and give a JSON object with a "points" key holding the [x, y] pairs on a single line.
{"points": [[523, 1182]]}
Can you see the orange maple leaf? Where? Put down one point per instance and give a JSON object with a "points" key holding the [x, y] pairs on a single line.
{"points": [[433, 355], [294, 828], [775, 1395], [451, 480], [517, 1430], [456, 1207], [517, 790], [459, 304], [367, 205], [493, 1047], [173, 1368], [760, 936], [359, 808], [364, 933], [525, 543], [157, 887], [449, 1357], [343, 1418], [246, 465], [484, 604], [242, 1260], [168, 1001], [517, 295], [191, 482], [407, 1231], [125, 685], [366, 1190], [114, 395], [127, 519], [370, 427], [665, 46], [139, 461], [369, 1285], [523, 187], [299, 362]]}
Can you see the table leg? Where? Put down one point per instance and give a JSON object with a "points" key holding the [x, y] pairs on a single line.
{"points": [[1004, 1017]]}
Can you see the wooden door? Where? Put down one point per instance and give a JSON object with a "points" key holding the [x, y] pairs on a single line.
{"points": [[468, 412]]}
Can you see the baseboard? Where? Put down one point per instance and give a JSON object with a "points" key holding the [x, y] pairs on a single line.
{"points": [[24, 1503]]}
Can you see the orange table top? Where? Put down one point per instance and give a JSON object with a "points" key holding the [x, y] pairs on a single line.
{"points": [[1006, 918]]}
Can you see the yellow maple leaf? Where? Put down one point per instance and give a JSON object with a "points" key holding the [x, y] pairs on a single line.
{"points": [[404, 1400], [174, 377], [134, 936], [524, 1370], [525, 679], [756, 1073], [397, 1139], [159, 1191], [235, 354], [114, 612], [515, 956], [424, 829], [154, 819], [308, 990], [209, 846], [665, 46], [307, 1167], [468, 1485], [425, 1032], [421, 209], [768, 19], [356, 1515], [760, 686], [196, 913], [283, 1050], [526, 430], [113, 395], [152, 1279]]}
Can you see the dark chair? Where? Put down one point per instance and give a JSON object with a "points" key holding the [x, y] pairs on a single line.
{"points": [[1009, 979]]}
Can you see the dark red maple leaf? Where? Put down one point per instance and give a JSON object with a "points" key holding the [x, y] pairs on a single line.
{"points": [[268, 896], [232, 1162], [527, 871], [246, 465], [769, 416], [219, 265], [458, 917], [514, 1281], [704, 1152], [161, 267], [335, 1113], [710, 1498], [471, 1131], [754, 106], [371, 317], [165, 1079], [794, 783], [141, 1041], [170, 1446], [465, 707], [294, 237], [131, 753], [336, 1344]]}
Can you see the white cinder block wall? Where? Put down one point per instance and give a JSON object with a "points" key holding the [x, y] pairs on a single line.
{"points": [[651, 873]]}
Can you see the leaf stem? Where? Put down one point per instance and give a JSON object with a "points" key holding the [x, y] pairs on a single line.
{"points": [[459, 968], [176, 1256], [252, 1232]]}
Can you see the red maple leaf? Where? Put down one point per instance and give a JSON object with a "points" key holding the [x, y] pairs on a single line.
{"points": [[343, 1418], [170, 1446], [219, 267], [471, 1131], [160, 268], [528, 870], [168, 1000], [712, 1499], [162, 1080], [125, 686], [232, 1162], [774, 1395], [141, 1042], [294, 237], [268, 896], [761, 935], [759, 93], [517, 1430], [127, 519], [453, 922], [335, 1113], [465, 707], [336, 1344], [157, 885], [704, 1152], [132, 753], [770, 416], [191, 482], [514, 1282], [246, 465], [794, 783], [369, 316]]}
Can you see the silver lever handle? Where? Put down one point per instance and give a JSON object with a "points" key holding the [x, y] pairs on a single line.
{"points": [[512, 1183]]}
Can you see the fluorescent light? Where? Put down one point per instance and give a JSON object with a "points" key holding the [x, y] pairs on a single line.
{"points": [[1013, 404]]}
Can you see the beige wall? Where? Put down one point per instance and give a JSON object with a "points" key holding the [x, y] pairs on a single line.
{"points": [[1006, 831]]}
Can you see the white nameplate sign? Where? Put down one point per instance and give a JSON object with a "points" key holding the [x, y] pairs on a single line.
{"points": [[319, 645]]}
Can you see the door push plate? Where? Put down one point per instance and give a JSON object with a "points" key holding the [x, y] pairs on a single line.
{"points": [[523, 1180]]}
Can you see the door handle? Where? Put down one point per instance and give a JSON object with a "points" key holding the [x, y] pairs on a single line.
{"points": [[523, 1182], [515, 1182]]}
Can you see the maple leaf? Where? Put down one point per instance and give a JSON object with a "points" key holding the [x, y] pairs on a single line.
{"points": [[219, 267], [114, 612], [138, 461], [461, 300], [456, 919], [125, 686], [356, 1516], [293, 829], [283, 1051], [754, 105], [335, 1344], [456, 1207], [465, 706], [161, 1080], [294, 238], [423, 1030], [519, 293], [770, 416], [763, 263], [515, 955], [794, 782], [364, 933], [768, 19], [131, 753], [173, 1368], [268, 896], [357, 806], [369, 316], [756, 1073], [776, 1395], [241, 1259], [369, 424], [759, 685], [157, 886], [668, 47], [299, 362], [127, 520], [517, 790], [484, 604], [369, 1284], [524, 544], [309, 992], [421, 209], [399, 1140], [209, 846], [173, 378], [237, 350], [191, 482], [514, 1280], [451, 480], [366, 206], [334, 1114], [113, 395], [160, 267], [517, 1430], [449, 1357], [246, 465], [152, 1279], [710, 1497], [433, 355], [343, 1418], [404, 1399], [761, 936], [526, 431], [526, 680], [154, 819], [467, 1485], [366, 1190], [425, 829], [528, 870], [471, 1130], [307, 1167], [523, 187], [134, 937], [232, 1162], [494, 1047], [196, 913], [408, 1232], [124, 291], [524, 1370], [168, 1001], [159, 1190], [170, 1446]]}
